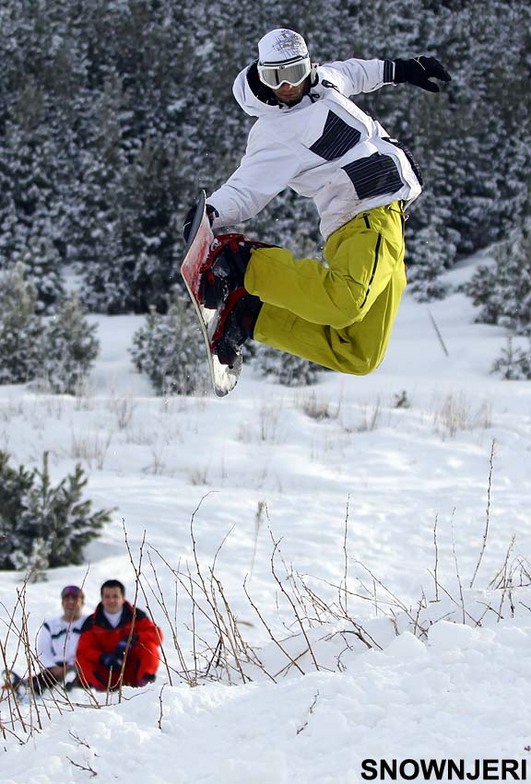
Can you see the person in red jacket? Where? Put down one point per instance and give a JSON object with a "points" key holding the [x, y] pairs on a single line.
{"points": [[118, 645]]}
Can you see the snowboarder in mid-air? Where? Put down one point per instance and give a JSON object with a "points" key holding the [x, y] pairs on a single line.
{"points": [[311, 137]]}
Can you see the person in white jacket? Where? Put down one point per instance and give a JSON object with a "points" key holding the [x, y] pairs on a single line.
{"points": [[58, 639], [310, 136]]}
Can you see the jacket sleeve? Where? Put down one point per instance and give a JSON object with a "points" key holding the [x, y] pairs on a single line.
{"points": [[88, 653], [358, 76], [147, 647], [264, 171], [45, 652]]}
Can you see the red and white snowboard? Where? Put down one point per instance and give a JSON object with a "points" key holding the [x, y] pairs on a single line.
{"points": [[196, 263]]}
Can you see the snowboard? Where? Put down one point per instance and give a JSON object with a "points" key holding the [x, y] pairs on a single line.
{"points": [[196, 262]]}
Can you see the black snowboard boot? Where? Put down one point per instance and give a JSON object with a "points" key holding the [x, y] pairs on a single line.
{"points": [[236, 325], [229, 257]]}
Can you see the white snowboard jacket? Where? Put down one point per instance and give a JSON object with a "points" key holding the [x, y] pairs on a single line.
{"points": [[324, 148]]}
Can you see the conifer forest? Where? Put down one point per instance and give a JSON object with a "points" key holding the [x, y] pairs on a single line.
{"points": [[114, 113]]}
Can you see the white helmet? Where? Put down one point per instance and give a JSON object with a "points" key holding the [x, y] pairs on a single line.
{"points": [[283, 57]]}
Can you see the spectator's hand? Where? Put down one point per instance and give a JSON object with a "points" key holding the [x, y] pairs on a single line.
{"points": [[419, 72], [111, 660], [187, 225], [115, 658], [124, 644], [120, 650]]}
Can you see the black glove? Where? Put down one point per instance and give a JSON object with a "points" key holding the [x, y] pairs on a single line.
{"points": [[111, 660], [187, 225], [120, 649], [419, 72], [116, 657]]}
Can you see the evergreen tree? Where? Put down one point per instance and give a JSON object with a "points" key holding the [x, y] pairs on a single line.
{"points": [[31, 222], [503, 290], [169, 349], [286, 369], [42, 526], [514, 364], [15, 487], [20, 328], [40, 261], [61, 351], [69, 348]]}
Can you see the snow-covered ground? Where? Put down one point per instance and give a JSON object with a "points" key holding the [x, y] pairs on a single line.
{"points": [[368, 538]]}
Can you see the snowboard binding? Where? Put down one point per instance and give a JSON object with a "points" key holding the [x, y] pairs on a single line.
{"points": [[213, 270], [224, 268]]}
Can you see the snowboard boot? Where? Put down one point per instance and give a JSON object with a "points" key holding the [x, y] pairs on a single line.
{"points": [[227, 263], [236, 325]]}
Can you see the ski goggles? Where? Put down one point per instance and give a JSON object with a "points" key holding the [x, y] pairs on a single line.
{"points": [[275, 76]]}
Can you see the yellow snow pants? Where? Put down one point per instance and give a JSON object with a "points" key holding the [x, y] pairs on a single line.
{"points": [[339, 315]]}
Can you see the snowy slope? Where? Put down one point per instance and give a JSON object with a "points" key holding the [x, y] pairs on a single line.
{"points": [[388, 516]]}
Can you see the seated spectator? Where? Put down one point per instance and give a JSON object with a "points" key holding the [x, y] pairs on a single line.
{"points": [[119, 644], [57, 642]]}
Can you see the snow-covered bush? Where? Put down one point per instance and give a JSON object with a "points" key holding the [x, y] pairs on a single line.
{"points": [[44, 526], [20, 328], [42, 265], [60, 351], [287, 369], [504, 290], [514, 364], [69, 348], [169, 349]]}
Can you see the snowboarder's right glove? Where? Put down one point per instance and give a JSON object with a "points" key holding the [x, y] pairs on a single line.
{"points": [[419, 72], [187, 225]]}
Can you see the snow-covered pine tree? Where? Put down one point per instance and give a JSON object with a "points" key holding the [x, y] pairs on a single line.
{"points": [[15, 486], [286, 369], [127, 228], [144, 236], [170, 350], [44, 526], [514, 363], [503, 290], [69, 348], [20, 328], [43, 269], [66, 521], [35, 152], [30, 221]]}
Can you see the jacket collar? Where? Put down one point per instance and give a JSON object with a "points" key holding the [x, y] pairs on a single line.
{"points": [[126, 617]]}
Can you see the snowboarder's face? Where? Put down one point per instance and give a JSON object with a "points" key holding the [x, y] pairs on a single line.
{"points": [[290, 94]]}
